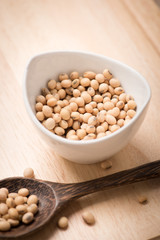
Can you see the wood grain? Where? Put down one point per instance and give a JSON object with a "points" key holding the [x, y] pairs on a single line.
{"points": [[124, 30]]}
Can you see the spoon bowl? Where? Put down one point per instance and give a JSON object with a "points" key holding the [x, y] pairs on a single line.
{"points": [[54, 196], [46, 206]]}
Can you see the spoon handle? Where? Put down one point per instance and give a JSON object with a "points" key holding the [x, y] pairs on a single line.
{"points": [[137, 174]]}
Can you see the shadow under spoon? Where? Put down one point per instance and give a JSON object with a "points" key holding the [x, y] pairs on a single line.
{"points": [[54, 196]]}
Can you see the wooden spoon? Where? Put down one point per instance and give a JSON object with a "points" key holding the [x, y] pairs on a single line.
{"points": [[53, 196]]}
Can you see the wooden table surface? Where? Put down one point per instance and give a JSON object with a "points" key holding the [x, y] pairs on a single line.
{"points": [[126, 30]]}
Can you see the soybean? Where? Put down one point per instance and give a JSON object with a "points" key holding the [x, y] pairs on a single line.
{"points": [[4, 226], [13, 222], [142, 199], [23, 192], [28, 173], [27, 217], [3, 209], [13, 213], [106, 164], [88, 218], [3, 195], [107, 74], [63, 223], [33, 208], [32, 199]]}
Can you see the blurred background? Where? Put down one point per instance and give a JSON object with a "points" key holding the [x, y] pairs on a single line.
{"points": [[123, 29]]}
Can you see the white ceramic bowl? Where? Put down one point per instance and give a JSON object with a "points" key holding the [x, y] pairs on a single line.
{"points": [[45, 66]]}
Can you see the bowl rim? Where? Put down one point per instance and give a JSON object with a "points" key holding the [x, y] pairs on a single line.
{"points": [[80, 142]]}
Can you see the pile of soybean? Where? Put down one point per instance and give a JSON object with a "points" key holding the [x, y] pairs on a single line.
{"points": [[16, 208], [84, 107]]}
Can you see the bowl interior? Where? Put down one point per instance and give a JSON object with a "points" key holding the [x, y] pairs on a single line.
{"points": [[48, 66]]}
